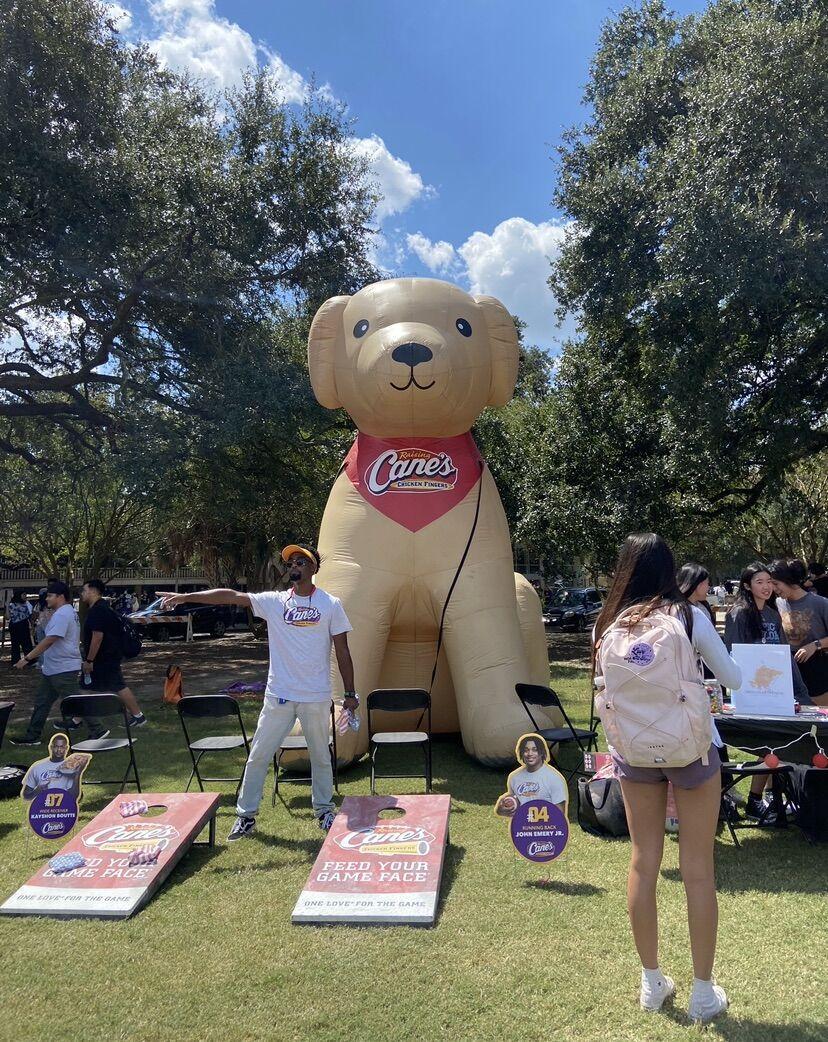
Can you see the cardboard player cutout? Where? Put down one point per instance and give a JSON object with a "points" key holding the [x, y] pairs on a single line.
{"points": [[414, 539], [52, 788], [537, 801]]}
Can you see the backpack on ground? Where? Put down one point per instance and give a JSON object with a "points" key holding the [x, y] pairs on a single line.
{"points": [[601, 809], [810, 785], [130, 638], [651, 700], [173, 687]]}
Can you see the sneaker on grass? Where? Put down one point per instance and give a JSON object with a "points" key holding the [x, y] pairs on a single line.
{"points": [[242, 827], [98, 735], [67, 725], [23, 739], [326, 820], [137, 721], [656, 989], [707, 1001]]}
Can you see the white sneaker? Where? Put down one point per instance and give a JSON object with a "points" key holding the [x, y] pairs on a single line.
{"points": [[654, 995], [706, 1003]]}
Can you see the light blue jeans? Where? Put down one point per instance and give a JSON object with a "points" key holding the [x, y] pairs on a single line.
{"points": [[275, 723]]}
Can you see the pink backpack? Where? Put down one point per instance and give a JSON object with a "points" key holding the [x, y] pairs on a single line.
{"points": [[651, 700]]}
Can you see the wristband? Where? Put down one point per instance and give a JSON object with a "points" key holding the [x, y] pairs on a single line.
{"points": [[351, 694]]}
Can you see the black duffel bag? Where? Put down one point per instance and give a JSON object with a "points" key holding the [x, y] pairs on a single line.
{"points": [[601, 807], [810, 788]]}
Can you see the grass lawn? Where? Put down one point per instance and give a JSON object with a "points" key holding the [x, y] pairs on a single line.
{"points": [[517, 950]]}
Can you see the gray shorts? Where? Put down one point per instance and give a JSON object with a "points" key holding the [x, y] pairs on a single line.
{"points": [[689, 777]]}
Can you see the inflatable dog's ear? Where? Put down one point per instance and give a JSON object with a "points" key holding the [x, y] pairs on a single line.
{"points": [[504, 347], [325, 330]]}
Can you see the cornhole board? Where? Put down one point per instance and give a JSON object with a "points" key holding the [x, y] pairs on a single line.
{"points": [[107, 887], [374, 869]]}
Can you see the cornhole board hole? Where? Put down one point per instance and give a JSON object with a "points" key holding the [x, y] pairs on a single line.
{"points": [[379, 866], [107, 887]]}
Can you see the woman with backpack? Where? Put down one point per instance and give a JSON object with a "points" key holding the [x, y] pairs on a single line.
{"points": [[805, 619], [656, 716]]}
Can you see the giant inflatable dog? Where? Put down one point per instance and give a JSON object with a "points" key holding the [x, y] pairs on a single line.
{"points": [[414, 362]]}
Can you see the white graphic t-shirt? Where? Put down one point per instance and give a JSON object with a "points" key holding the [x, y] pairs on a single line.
{"points": [[543, 784], [299, 632], [64, 655]]}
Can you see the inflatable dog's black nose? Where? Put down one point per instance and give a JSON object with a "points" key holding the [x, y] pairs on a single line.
{"points": [[411, 354]]}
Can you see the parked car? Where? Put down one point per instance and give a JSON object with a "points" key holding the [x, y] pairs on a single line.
{"points": [[573, 609], [215, 619]]}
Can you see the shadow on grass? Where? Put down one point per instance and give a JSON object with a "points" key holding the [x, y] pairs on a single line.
{"points": [[451, 866], [561, 886], [740, 1029]]}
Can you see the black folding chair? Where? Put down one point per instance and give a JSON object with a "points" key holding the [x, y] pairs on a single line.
{"points": [[295, 742], [545, 698], [200, 707], [400, 700], [776, 815], [5, 713], [103, 706]]}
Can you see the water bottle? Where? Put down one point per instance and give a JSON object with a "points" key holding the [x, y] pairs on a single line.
{"points": [[87, 679]]}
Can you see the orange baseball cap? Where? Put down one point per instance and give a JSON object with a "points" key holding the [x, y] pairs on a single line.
{"points": [[310, 552]]}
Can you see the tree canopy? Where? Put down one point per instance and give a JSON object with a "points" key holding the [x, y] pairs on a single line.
{"points": [[697, 263], [144, 221]]}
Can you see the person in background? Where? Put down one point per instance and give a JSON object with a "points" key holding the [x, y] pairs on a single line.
{"points": [[18, 617], [819, 578], [753, 619], [645, 579], [694, 582], [60, 649], [102, 651], [805, 620], [42, 614]]}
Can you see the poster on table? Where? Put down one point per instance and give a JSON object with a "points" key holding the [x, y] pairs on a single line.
{"points": [[115, 863], [53, 789], [374, 868], [536, 802], [767, 680]]}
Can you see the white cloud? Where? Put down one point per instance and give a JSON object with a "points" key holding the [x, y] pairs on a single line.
{"points": [[513, 264], [439, 257], [398, 184], [192, 38], [120, 17]]}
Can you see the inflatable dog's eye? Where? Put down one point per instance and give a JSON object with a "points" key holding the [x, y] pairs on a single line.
{"points": [[463, 327], [361, 328]]}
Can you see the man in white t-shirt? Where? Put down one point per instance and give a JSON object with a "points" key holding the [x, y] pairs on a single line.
{"points": [[302, 623], [536, 780], [61, 664]]}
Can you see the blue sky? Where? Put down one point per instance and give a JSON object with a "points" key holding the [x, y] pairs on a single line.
{"points": [[458, 106]]}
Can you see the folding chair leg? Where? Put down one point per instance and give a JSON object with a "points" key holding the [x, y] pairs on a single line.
{"points": [[334, 769], [373, 771]]}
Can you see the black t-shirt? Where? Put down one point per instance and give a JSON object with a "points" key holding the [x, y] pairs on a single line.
{"points": [[102, 619]]}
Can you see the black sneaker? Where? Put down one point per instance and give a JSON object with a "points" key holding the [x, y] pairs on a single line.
{"points": [[242, 827], [98, 735], [137, 721], [761, 811], [66, 725], [24, 740]]}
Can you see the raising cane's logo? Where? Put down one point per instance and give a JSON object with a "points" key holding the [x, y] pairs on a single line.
{"points": [[411, 470], [387, 838], [131, 836], [301, 615]]}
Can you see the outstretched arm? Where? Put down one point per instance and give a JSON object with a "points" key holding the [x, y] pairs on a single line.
{"points": [[207, 597]]}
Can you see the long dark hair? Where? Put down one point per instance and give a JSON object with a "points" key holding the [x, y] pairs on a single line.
{"points": [[745, 600], [688, 578], [794, 573], [645, 578]]}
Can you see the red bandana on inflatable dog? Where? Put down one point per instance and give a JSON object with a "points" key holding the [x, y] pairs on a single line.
{"points": [[395, 474]]}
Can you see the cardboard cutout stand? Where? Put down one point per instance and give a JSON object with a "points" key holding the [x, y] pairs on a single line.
{"points": [[536, 801], [375, 869]]}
